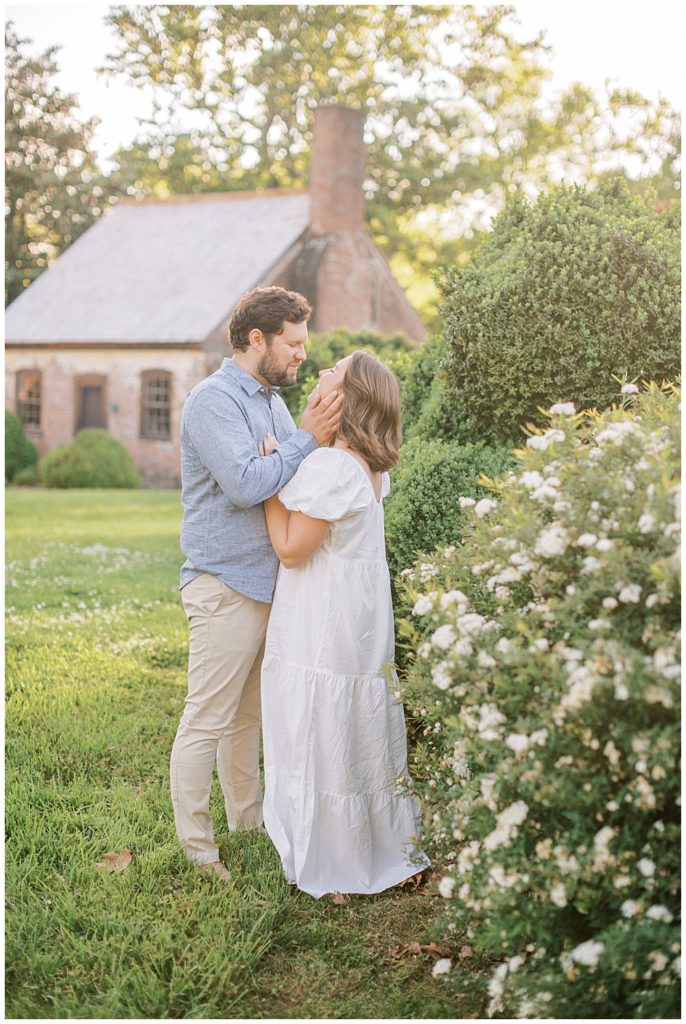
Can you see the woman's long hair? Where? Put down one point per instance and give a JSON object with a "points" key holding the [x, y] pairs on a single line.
{"points": [[371, 417]]}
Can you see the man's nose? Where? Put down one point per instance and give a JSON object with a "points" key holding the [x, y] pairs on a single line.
{"points": [[301, 354]]}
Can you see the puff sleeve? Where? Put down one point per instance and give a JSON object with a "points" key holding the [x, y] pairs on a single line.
{"points": [[329, 484]]}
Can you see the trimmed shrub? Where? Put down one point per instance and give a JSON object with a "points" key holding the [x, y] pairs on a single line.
{"points": [[563, 293], [20, 453], [27, 477], [422, 510], [325, 349], [546, 675], [93, 459]]}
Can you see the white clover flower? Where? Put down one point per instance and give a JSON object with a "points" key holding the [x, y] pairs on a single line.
{"points": [[610, 603], [562, 409], [518, 742], [605, 544], [446, 887], [531, 478], [485, 660], [629, 389], [504, 645], [659, 913], [651, 600], [441, 676], [588, 953], [630, 593], [485, 506], [646, 866], [629, 908], [543, 441], [621, 691], [466, 502], [558, 895], [676, 966], [441, 967], [427, 571], [453, 597], [424, 604], [541, 644], [647, 523], [424, 650], [586, 540], [552, 542], [444, 637]]}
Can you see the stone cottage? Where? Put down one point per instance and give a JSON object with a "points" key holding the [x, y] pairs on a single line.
{"points": [[122, 326]]}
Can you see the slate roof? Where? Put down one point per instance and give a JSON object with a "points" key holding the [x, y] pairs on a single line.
{"points": [[159, 272]]}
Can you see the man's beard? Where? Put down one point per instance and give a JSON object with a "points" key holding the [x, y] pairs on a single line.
{"points": [[270, 371]]}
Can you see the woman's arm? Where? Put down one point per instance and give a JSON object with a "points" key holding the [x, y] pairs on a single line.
{"points": [[294, 536]]}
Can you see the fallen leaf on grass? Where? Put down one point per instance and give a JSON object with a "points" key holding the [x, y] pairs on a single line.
{"points": [[411, 884], [464, 952], [340, 900], [115, 861], [414, 949]]}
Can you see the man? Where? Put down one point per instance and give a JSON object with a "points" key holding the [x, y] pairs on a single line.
{"points": [[228, 578]]}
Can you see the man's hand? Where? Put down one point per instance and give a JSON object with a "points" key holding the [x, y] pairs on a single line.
{"points": [[267, 445], [322, 416]]}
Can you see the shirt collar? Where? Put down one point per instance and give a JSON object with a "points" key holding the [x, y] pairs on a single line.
{"points": [[246, 380]]}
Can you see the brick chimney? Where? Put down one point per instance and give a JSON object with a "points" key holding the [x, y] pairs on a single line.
{"points": [[337, 170]]}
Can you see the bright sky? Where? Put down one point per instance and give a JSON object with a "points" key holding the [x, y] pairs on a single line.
{"points": [[636, 45]]}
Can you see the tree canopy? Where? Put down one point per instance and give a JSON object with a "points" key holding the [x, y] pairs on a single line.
{"points": [[53, 189], [458, 115]]}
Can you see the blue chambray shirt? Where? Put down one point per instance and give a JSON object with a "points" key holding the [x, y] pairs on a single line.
{"points": [[225, 480]]}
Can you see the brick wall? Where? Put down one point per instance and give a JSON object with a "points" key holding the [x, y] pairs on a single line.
{"points": [[156, 460]]}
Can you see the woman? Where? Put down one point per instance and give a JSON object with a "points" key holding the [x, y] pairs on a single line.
{"points": [[334, 736]]}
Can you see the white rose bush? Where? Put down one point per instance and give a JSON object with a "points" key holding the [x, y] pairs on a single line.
{"points": [[545, 679]]}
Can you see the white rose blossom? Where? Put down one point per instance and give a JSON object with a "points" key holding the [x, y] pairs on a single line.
{"points": [[659, 913], [543, 441], [424, 604], [441, 676], [485, 506], [588, 953], [552, 542], [630, 593], [444, 637]]}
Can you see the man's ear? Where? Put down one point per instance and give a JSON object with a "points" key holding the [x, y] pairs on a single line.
{"points": [[256, 338]]}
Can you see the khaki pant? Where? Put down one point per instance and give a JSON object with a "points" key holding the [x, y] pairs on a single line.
{"points": [[221, 720]]}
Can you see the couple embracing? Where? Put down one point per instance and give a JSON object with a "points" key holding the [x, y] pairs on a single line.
{"points": [[287, 594]]}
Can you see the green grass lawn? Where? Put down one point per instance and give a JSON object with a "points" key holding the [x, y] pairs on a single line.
{"points": [[96, 656]]}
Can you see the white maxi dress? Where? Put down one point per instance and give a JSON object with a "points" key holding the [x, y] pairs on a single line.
{"points": [[334, 733]]}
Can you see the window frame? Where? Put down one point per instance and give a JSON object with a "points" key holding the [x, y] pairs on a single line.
{"points": [[150, 406], [32, 425]]}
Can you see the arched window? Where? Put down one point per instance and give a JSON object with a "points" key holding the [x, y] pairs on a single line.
{"points": [[29, 397], [156, 404]]}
